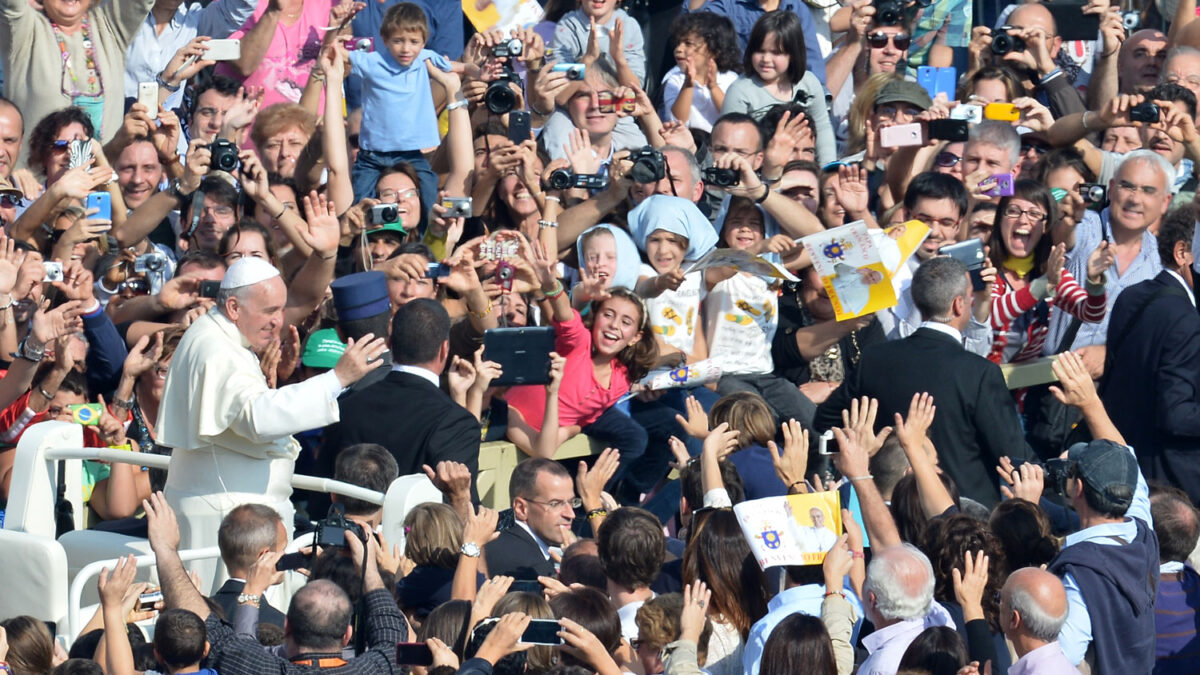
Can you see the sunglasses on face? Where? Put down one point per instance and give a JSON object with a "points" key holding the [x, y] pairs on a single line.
{"points": [[9, 201], [880, 40], [947, 159], [1039, 149], [59, 146]]}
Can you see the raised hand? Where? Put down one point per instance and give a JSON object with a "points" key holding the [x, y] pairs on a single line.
{"points": [[589, 483], [696, 422], [912, 430], [480, 528], [861, 418], [792, 463], [48, 326], [696, 598], [162, 526], [1099, 262], [452, 479], [1076, 387], [324, 231], [360, 358], [1055, 264], [1026, 481], [460, 377], [970, 583]]}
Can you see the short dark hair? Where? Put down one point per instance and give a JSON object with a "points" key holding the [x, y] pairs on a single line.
{"points": [[789, 36], [367, 465], [419, 329], [42, 136], [693, 488], [1177, 525], [1179, 225], [935, 285], [523, 481], [179, 637], [205, 260], [1171, 91], [77, 667], [631, 547], [740, 118], [319, 615], [888, 465], [718, 34], [933, 185], [245, 532], [221, 190], [583, 569], [937, 649], [594, 611], [404, 16], [225, 86]]}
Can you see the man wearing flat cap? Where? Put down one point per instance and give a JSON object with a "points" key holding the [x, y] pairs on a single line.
{"points": [[231, 434], [1109, 568]]}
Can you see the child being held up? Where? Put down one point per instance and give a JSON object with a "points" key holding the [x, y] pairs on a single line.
{"points": [[399, 118]]}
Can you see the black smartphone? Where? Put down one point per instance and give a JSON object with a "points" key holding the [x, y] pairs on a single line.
{"points": [[437, 270], [147, 601], [542, 632], [291, 561], [413, 654], [969, 253], [519, 126], [526, 586], [1146, 112], [1072, 23], [210, 289], [954, 131]]}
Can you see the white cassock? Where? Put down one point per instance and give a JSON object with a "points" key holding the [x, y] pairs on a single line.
{"points": [[231, 434], [813, 539]]}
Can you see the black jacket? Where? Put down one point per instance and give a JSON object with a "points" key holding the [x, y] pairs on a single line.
{"points": [[416, 421], [227, 597], [515, 554], [1152, 390], [976, 420]]}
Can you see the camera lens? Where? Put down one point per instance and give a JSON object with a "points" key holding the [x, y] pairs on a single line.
{"points": [[499, 98], [1002, 44], [1095, 194], [1131, 20], [560, 179]]}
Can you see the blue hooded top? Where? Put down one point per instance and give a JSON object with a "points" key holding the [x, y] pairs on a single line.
{"points": [[628, 258], [677, 216]]}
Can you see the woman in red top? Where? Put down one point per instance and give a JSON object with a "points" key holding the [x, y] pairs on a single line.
{"points": [[1033, 276], [604, 354]]}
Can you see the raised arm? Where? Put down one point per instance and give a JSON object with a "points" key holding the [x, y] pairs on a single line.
{"points": [[178, 589], [258, 39], [308, 287], [854, 463], [935, 498], [333, 140]]}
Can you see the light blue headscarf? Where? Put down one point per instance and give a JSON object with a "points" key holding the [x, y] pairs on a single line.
{"points": [[677, 216], [628, 259]]}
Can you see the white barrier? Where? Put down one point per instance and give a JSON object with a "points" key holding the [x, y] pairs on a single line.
{"points": [[31, 554]]}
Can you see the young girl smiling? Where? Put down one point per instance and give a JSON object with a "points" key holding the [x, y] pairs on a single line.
{"points": [[775, 73]]}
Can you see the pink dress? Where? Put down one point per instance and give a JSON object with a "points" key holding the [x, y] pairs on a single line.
{"points": [[290, 57], [581, 399]]}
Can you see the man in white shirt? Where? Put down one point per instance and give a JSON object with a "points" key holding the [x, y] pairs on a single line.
{"points": [[231, 434], [898, 599]]}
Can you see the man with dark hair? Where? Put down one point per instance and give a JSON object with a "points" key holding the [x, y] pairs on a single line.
{"points": [[940, 201], [407, 412], [213, 99], [204, 223], [369, 466], [631, 546], [1153, 384], [889, 464], [1177, 525], [180, 641], [1109, 567], [543, 498], [976, 421], [246, 533]]}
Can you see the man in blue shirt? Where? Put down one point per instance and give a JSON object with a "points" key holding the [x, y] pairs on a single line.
{"points": [[1109, 567], [743, 14]]}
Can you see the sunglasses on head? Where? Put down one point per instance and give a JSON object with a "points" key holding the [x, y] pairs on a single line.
{"points": [[880, 40], [947, 159]]}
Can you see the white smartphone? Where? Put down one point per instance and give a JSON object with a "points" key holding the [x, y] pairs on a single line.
{"points": [[902, 135], [223, 50], [148, 96]]}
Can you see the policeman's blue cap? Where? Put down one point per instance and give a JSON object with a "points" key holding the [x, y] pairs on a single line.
{"points": [[361, 295]]}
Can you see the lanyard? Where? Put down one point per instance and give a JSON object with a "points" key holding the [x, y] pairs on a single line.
{"points": [[93, 71]]}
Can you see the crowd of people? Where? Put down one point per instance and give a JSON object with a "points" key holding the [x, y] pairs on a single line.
{"points": [[281, 244]]}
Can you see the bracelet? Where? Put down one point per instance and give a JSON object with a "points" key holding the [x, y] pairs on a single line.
{"points": [[544, 224], [857, 554], [124, 446], [854, 478], [282, 210], [126, 403], [43, 392], [558, 290], [484, 314], [799, 482], [10, 303], [552, 198], [543, 114], [596, 513], [163, 83], [457, 104], [1084, 120], [766, 193], [839, 593]]}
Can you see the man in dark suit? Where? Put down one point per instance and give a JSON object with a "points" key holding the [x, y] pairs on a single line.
{"points": [[542, 494], [407, 412], [246, 533], [1152, 391], [976, 420]]}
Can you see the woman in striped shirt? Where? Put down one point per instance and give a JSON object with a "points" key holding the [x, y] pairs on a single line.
{"points": [[1033, 276]]}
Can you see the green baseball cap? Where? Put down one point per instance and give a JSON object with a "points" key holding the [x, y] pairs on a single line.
{"points": [[323, 349]]}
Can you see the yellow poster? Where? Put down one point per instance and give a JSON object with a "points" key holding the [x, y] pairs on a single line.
{"points": [[851, 270], [502, 15]]}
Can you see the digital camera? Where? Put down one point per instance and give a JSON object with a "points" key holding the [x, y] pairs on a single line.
{"points": [[224, 156], [649, 166]]}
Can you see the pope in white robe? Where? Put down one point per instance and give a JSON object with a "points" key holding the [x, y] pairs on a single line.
{"points": [[230, 433]]}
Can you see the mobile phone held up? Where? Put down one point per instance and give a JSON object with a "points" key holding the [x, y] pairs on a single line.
{"points": [[969, 253], [148, 96], [102, 202], [413, 654]]}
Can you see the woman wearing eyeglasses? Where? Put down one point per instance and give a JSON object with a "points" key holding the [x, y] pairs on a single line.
{"points": [[1033, 276]]}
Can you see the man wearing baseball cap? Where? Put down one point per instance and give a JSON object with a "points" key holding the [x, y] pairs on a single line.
{"points": [[1110, 566]]}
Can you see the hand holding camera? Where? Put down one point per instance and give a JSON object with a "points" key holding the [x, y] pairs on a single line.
{"points": [[749, 184]]}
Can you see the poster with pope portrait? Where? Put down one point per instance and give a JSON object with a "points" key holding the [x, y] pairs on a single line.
{"points": [[852, 270], [791, 530]]}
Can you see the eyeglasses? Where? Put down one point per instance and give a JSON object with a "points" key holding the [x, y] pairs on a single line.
{"points": [[1015, 212], [947, 159], [1039, 149], [9, 201], [1126, 186], [891, 110], [218, 211], [60, 146], [397, 195], [556, 504], [880, 40]]}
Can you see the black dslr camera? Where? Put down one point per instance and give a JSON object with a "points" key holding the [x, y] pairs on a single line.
{"points": [[224, 156], [1057, 473], [649, 166], [888, 12], [499, 97], [1003, 43], [332, 530]]}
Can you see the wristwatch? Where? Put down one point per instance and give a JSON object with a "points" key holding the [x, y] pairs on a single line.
{"points": [[30, 353], [244, 599], [470, 549], [174, 191]]}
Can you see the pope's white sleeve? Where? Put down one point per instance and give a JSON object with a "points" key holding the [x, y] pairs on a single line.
{"points": [[276, 413]]}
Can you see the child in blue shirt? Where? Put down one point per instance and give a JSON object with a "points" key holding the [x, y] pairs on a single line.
{"points": [[399, 119]]}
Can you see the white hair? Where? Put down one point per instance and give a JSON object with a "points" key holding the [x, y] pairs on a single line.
{"points": [[1037, 621], [239, 292], [1153, 159], [902, 580], [998, 134]]}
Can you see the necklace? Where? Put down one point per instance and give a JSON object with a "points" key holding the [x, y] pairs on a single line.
{"points": [[94, 82]]}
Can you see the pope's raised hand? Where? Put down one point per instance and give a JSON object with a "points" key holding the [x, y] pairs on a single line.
{"points": [[360, 358]]}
